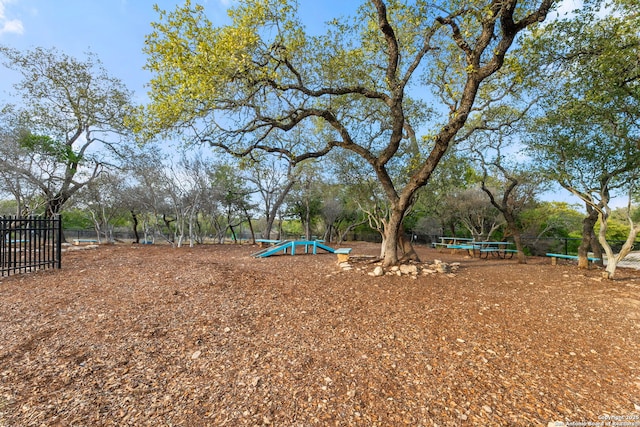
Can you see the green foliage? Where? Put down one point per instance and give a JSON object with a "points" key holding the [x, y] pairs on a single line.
{"points": [[586, 132], [292, 228], [47, 146], [552, 219], [76, 219], [454, 174], [264, 74], [617, 230], [635, 214], [8, 207]]}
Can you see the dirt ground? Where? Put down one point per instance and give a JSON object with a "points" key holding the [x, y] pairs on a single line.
{"points": [[209, 336]]}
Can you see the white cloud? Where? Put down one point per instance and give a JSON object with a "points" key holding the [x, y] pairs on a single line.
{"points": [[9, 25], [13, 26]]}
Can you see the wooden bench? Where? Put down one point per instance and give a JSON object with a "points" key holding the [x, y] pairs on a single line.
{"points": [[84, 241], [343, 254], [554, 258]]}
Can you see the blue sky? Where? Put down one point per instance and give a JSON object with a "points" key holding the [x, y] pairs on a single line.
{"points": [[112, 29], [115, 29]]}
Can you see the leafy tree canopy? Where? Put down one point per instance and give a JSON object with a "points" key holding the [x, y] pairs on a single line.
{"points": [[366, 85]]}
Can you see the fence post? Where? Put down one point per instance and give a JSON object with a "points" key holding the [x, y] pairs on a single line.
{"points": [[58, 219]]}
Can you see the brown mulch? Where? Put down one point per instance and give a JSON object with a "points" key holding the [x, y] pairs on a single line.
{"points": [[159, 336]]}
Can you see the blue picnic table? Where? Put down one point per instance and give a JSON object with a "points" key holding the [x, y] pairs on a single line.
{"points": [[483, 249], [496, 249]]}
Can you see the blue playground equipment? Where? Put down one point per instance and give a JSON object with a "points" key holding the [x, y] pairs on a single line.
{"points": [[291, 245]]}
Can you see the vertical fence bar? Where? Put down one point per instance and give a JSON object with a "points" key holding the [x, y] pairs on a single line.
{"points": [[39, 228], [39, 248], [12, 264], [19, 242], [19, 245], [59, 242], [3, 245], [28, 245], [45, 250]]}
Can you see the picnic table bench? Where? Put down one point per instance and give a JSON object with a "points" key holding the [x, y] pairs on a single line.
{"points": [[554, 258], [496, 249], [483, 249], [469, 248], [445, 242]]}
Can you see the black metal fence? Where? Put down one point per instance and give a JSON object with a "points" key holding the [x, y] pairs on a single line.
{"points": [[29, 244]]}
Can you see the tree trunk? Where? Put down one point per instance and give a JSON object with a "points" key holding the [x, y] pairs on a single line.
{"points": [[408, 251], [307, 221], [53, 208], [272, 211], [588, 223], [233, 234], [394, 240], [596, 248], [517, 239], [253, 234], [512, 226], [268, 227], [614, 259], [135, 226], [342, 236]]}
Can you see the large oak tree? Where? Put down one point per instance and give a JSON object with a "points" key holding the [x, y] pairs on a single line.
{"points": [[367, 85]]}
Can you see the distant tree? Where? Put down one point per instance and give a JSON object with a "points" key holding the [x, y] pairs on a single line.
{"points": [[138, 173], [72, 114], [193, 171], [474, 211], [28, 199], [145, 195], [454, 174], [273, 180], [331, 209], [551, 219], [511, 185], [304, 201], [339, 210], [101, 201], [230, 190]]}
